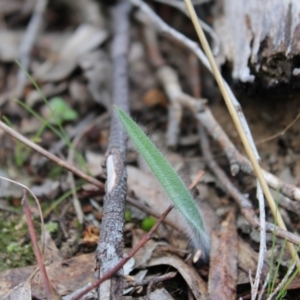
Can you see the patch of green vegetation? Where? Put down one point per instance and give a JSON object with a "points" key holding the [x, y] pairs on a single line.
{"points": [[15, 248], [127, 215], [148, 223], [51, 227], [61, 111], [275, 264]]}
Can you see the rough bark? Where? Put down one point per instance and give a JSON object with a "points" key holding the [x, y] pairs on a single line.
{"points": [[260, 39], [110, 248]]}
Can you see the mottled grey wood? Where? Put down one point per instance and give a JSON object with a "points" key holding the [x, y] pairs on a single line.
{"points": [[110, 247], [260, 38]]}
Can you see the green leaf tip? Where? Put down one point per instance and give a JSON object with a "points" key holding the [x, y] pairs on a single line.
{"points": [[165, 174]]}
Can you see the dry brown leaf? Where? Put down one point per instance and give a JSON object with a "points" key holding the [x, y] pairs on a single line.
{"points": [[51, 253], [190, 275], [145, 253], [65, 277], [223, 260], [247, 261], [86, 38], [97, 70]]}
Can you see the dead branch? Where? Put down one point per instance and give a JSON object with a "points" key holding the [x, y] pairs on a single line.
{"points": [[50, 156], [110, 247], [155, 280]]}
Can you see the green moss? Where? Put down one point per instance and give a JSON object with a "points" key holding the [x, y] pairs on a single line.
{"points": [[15, 246], [127, 215]]}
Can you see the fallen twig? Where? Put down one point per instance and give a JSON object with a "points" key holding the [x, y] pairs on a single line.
{"points": [[154, 280], [122, 262], [50, 156], [116, 185], [262, 291]]}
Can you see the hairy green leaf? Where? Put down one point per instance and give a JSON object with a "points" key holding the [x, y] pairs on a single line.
{"points": [[165, 174]]}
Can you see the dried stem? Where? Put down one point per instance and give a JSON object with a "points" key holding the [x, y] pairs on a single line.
{"points": [[157, 279], [43, 238], [50, 156], [39, 259]]}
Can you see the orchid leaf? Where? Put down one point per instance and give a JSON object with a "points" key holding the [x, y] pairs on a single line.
{"points": [[165, 174]]}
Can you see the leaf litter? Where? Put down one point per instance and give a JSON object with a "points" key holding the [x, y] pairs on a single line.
{"points": [[71, 61]]}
